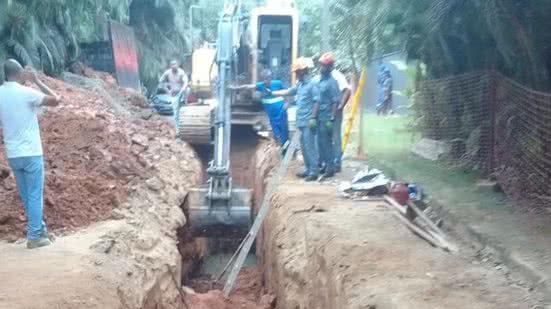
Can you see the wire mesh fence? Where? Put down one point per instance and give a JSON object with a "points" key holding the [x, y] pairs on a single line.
{"points": [[481, 121], [457, 110]]}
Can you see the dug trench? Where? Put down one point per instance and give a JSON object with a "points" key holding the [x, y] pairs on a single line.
{"points": [[203, 259]]}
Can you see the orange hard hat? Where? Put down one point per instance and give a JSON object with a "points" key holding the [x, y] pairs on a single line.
{"points": [[299, 65], [327, 59]]}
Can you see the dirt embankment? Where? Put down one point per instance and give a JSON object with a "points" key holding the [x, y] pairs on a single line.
{"points": [[320, 251], [94, 156], [114, 183]]}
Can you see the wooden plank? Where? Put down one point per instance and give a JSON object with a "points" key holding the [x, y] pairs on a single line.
{"points": [[431, 237], [262, 214], [416, 230], [439, 234], [401, 209]]}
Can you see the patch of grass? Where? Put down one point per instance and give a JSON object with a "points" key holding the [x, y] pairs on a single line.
{"points": [[387, 144], [387, 135]]}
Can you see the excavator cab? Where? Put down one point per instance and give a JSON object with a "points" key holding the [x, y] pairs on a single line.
{"points": [[243, 49]]}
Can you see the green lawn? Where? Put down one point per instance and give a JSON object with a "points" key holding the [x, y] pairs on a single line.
{"points": [[387, 144]]}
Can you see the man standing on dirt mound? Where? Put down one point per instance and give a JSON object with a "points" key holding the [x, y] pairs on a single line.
{"points": [[307, 100], [19, 106]]}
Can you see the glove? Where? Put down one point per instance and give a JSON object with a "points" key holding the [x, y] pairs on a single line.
{"points": [[313, 124], [329, 125]]}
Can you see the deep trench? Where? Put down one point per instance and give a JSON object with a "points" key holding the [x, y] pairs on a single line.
{"points": [[203, 259]]}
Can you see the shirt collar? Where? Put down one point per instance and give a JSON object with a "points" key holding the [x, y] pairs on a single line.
{"points": [[306, 79]]}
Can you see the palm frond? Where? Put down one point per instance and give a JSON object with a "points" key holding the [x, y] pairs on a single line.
{"points": [[19, 52]]}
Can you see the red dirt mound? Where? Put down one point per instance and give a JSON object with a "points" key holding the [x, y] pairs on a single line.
{"points": [[92, 157]]}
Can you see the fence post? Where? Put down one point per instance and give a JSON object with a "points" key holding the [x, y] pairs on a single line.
{"points": [[493, 115]]}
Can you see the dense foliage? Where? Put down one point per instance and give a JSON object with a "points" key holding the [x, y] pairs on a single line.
{"points": [[46, 34], [449, 36]]}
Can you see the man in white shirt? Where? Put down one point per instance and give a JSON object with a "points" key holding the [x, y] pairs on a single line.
{"points": [[18, 116], [174, 79], [346, 91]]}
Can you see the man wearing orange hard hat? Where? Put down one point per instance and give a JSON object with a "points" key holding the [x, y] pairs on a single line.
{"points": [[330, 99], [307, 99]]}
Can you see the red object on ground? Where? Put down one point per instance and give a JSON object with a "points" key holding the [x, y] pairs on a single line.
{"points": [[400, 193]]}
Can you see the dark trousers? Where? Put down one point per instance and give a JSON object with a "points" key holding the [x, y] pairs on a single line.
{"points": [[326, 148]]}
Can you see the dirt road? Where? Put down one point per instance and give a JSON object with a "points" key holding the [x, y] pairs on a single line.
{"points": [[321, 251]]}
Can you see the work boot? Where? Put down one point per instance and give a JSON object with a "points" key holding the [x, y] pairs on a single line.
{"points": [[37, 243], [311, 178], [47, 235], [301, 174], [328, 174]]}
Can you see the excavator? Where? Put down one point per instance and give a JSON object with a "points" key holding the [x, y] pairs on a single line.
{"points": [[266, 38]]}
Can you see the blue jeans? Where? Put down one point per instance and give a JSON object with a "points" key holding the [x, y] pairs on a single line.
{"points": [[278, 121], [337, 138], [326, 147], [309, 151], [29, 176]]}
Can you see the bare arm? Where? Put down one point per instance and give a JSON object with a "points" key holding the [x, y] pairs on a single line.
{"points": [[185, 81], [51, 98], [243, 87], [282, 93], [337, 100], [346, 94]]}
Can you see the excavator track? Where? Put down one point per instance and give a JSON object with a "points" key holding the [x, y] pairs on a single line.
{"points": [[195, 123]]}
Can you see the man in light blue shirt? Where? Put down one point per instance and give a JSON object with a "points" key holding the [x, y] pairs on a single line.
{"points": [[18, 116], [307, 99]]}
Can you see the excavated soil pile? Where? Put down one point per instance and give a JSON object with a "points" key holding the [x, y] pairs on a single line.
{"points": [[94, 155]]}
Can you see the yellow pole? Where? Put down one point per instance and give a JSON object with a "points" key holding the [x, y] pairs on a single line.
{"points": [[355, 104]]}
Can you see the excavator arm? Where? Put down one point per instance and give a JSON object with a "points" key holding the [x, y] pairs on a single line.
{"points": [[228, 42], [222, 208]]}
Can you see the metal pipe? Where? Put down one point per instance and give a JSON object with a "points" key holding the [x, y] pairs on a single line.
{"points": [[325, 26], [191, 7]]}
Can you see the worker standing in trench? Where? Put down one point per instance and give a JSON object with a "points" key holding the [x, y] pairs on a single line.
{"points": [[307, 98], [174, 79], [330, 99], [275, 106], [19, 106]]}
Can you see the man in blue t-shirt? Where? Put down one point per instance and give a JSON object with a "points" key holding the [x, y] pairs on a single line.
{"points": [[275, 106]]}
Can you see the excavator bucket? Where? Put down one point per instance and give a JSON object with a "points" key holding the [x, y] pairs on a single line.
{"points": [[220, 219]]}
